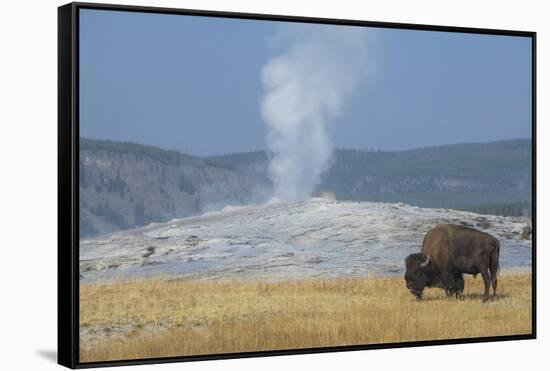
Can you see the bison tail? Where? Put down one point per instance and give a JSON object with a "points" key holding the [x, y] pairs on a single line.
{"points": [[494, 266]]}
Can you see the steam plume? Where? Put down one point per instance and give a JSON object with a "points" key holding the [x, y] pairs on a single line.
{"points": [[305, 88]]}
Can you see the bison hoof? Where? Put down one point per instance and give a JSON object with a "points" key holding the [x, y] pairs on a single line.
{"points": [[460, 296]]}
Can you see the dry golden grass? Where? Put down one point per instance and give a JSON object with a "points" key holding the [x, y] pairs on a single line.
{"points": [[163, 318]]}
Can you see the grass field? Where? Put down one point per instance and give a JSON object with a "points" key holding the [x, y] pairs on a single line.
{"points": [[162, 318]]}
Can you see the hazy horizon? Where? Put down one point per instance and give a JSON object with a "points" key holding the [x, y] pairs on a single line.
{"points": [[337, 148]]}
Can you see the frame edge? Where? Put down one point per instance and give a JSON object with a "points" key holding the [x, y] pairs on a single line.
{"points": [[67, 312], [299, 19], [68, 219]]}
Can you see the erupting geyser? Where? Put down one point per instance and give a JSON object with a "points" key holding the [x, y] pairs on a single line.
{"points": [[306, 85]]}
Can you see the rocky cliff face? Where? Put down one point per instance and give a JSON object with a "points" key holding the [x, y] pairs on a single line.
{"points": [[127, 190], [125, 185]]}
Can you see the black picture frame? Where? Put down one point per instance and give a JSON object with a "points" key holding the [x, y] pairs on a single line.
{"points": [[68, 181]]}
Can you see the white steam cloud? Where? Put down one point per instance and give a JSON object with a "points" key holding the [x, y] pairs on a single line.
{"points": [[306, 87]]}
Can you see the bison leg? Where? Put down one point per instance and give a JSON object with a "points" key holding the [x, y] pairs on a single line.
{"points": [[487, 282], [448, 283], [459, 286], [494, 281]]}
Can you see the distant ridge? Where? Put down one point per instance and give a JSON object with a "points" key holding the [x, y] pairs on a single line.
{"points": [[131, 148], [125, 185]]}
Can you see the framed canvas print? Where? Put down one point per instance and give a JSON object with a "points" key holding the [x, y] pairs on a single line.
{"points": [[235, 185]]}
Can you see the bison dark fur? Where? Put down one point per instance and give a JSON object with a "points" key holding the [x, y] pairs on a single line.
{"points": [[448, 252]]}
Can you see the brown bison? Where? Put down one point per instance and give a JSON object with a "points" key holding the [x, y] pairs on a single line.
{"points": [[449, 251]]}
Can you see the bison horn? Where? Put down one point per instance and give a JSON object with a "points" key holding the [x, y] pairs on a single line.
{"points": [[426, 262]]}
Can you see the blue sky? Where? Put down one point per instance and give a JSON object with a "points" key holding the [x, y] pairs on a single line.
{"points": [[193, 84]]}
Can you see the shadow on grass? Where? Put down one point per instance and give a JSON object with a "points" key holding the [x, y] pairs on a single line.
{"points": [[497, 297], [467, 297]]}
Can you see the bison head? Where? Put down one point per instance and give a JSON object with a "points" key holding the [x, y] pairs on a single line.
{"points": [[418, 274]]}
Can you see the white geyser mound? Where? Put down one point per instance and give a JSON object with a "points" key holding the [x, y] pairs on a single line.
{"points": [[306, 85]]}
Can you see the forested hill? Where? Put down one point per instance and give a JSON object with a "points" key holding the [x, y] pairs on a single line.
{"points": [[124, 185], [484, 177]]}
